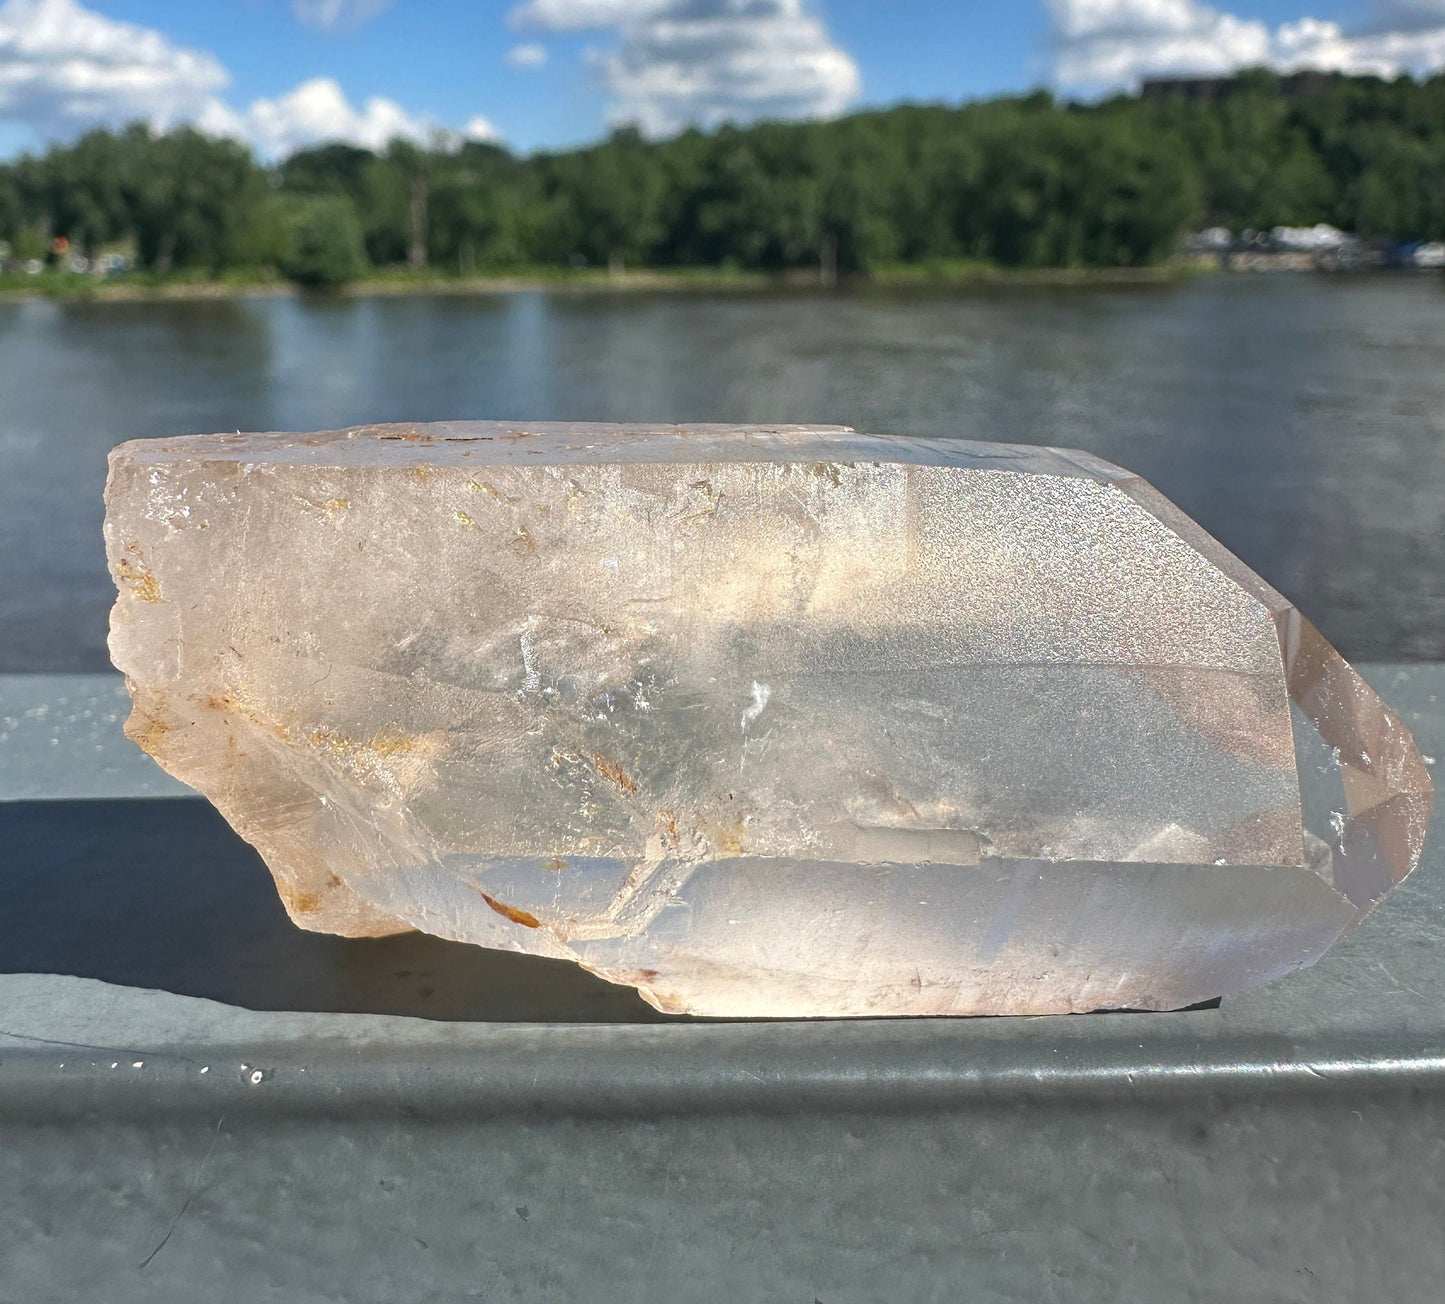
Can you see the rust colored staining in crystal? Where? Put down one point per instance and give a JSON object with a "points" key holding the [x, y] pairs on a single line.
{"points": [[146, 731], [406, 434], [462, 519], [233, 701], [143, 585], [726, 837], [556, 864], [614, 774], [509, 912], [387, 741], [522, 543], [485, 487], [390, 741], [303, 903]]}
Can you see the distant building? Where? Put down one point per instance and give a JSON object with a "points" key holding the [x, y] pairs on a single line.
{"points": [[1426, 254], [1186, 88], [1289, 86], [1212, 240], [1319, 238], [1431, 255]]}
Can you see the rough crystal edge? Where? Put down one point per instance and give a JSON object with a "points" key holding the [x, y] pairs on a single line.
{"points": [[191, 746], [559, 443], [1388, 790]]}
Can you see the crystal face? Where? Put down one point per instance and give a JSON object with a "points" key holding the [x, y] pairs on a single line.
{"points": [[775, 721]]}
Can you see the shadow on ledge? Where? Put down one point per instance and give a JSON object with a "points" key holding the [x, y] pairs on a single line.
{"points": [[161, 893]]}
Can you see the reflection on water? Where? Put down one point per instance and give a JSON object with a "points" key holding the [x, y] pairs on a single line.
{"points": [[1301, 419]]}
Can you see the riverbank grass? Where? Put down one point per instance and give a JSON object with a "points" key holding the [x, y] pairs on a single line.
{"points": [[240, 282]]}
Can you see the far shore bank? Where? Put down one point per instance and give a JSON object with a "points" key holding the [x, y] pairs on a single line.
{"points": [[125, 288]]}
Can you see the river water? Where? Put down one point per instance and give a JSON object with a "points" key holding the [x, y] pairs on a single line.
{"points": [[1301, 419]]}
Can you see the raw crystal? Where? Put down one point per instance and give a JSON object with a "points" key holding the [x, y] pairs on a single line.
{"points": [[763, 721]]}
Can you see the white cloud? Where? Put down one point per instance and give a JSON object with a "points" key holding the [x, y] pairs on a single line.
{"points": [[480, 128], [1109, 43], [530, 55], [337, 15], [318, 110], [64, 68], [707, 61], [579, 15]]}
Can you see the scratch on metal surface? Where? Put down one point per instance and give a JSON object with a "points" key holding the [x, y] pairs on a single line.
{"points": [[1380, 965], [85, 1045], [186, 1204], [657, 1234]]}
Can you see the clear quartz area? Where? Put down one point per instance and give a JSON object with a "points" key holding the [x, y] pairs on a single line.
{"points": [[763, 721]]}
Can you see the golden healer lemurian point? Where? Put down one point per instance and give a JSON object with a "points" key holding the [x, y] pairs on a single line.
{"points": [[775, 721]]}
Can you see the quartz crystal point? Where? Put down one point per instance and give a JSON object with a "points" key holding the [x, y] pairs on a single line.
{"points": [[777, 721]]}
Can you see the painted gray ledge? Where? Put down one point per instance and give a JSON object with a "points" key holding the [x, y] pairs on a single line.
{"points": [[60, 740], [1370, 1016]]}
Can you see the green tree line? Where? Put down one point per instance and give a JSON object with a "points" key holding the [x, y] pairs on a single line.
{"points": [[1024, 181]]}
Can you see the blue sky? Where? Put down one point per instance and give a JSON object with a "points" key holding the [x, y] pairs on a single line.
{"points": [[547, 73]]}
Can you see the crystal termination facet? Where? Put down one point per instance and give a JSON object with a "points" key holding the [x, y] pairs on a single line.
{"points": [[773, 721]]}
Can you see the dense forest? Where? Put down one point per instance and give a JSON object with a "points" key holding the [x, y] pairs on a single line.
{"points": [[1018, 182]]}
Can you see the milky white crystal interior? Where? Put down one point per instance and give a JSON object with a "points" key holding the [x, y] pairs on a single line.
{"points": [[764, 721]]}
